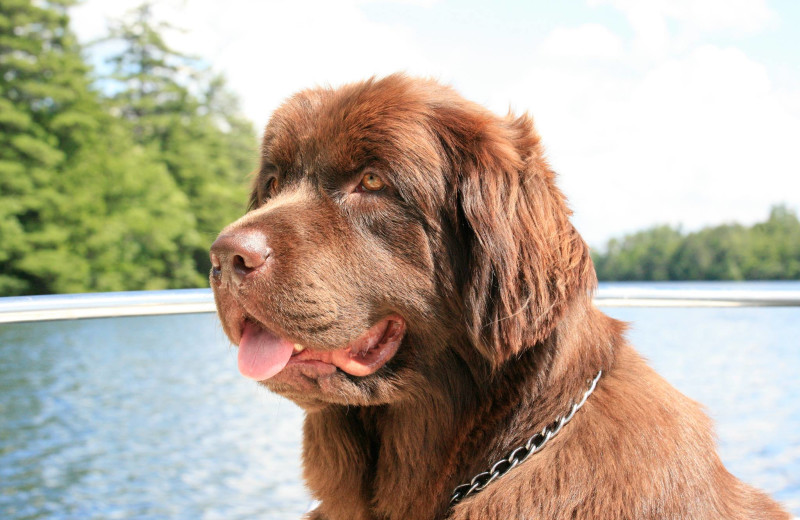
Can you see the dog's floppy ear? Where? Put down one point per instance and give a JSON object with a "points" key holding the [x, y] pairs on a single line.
{"points": [[526, 260]]}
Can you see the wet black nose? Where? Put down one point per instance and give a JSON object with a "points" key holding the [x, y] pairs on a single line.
{"points": [[235, 255]]}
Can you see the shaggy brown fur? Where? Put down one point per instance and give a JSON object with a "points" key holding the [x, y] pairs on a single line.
{"points": [[470, 245]]}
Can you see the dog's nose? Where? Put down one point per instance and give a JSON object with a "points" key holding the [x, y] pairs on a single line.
{"points": [[235, 255]]}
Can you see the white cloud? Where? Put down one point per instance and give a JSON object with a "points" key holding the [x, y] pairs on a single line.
{"points": [[90, 19], [743, 16], [650, 19], [282, 47], [420, 3], [697, 139], [585, 41]]}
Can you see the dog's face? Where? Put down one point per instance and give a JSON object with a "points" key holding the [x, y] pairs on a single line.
{"points": [[391, 229]]}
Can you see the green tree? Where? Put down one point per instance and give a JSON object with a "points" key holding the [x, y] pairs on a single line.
{"points": [[775, 247], [82, 205], [43, 117], [765, 251], [711, 254], [641, 256], [190, 120]]}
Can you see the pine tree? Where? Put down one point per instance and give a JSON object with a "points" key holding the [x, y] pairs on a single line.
{"points": [[82, 205], [190, 119], [42, 115]]}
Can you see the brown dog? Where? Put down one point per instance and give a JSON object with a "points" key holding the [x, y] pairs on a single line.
{"points": [[408, 274]]}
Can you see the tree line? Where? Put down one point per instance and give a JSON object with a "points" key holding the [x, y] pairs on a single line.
{"points": [[768, 250], [116, 180]]}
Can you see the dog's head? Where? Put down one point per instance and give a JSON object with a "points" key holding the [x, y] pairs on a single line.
{"points": [[393, 227]]}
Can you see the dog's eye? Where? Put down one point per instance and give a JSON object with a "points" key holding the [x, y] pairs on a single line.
{"points": [[371, 182], [272, 187]]}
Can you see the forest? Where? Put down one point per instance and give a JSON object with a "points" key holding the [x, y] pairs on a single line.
{"points": [[769, 250], [118, 177], [115, 188]]}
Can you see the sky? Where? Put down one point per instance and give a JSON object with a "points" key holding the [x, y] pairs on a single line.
{"points": [[681, 112]]}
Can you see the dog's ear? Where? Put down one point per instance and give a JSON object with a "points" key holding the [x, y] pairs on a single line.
{"points": [[526, 260]]}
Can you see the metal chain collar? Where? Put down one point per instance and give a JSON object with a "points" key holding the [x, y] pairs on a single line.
{"points": [[518, 455]]}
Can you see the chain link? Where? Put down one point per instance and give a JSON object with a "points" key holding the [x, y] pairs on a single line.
{"points": [[520, 454]]}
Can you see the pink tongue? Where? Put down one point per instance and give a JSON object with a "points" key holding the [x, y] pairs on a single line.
{"points": [[262, 354]]}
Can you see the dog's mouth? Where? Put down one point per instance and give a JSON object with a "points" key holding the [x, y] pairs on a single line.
{"points": [[263, 353]]}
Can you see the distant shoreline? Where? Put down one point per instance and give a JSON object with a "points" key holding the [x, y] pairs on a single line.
{"points": [[768, 250]]}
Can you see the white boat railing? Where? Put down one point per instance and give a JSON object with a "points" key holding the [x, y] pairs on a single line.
{"points": [[105, 305], [190, 301]]}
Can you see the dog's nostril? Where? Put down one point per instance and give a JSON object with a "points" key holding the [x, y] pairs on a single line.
{"points": [[240, 265], [249, 260]]}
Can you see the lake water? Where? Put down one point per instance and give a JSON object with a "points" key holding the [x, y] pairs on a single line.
{"points": [[149, 418]]}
